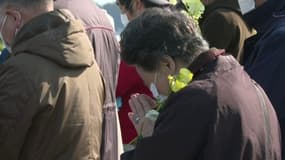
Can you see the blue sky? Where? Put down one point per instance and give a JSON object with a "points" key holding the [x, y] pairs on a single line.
{"points": [[102, 2]]}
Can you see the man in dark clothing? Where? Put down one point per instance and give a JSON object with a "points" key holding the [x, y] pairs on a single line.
{"points": [[264, 60], [219, 115], [106, 49], [223, 26]]}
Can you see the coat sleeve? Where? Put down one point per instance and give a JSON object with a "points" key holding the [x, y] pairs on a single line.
{"points": [[181, 129], [218, 31], [15, 112]]}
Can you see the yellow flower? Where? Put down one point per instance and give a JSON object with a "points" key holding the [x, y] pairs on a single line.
{"points": [[181, 80]]}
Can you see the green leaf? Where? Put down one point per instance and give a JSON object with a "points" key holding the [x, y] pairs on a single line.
{"points": [[195, 8]]}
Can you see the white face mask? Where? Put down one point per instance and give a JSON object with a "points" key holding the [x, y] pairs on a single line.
{"points": [[1, 35], [246, 5], [124, 19], [155, 92]]}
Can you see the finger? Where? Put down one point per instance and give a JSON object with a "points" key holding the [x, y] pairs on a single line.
{"points": [[132, 105], [151, 101], [145, 103], [138, 106], [135, 94]]}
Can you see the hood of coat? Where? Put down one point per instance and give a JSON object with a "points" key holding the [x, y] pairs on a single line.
{"points": [[261, 18], [56, 36], [219, 4]]}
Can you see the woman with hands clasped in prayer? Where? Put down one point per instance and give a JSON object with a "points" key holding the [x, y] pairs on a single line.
{"points": [[206, 108], [141, 104]]}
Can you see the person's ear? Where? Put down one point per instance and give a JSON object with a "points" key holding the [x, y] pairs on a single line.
{"points": [[15, 16], [138, 5], [168, 65]]}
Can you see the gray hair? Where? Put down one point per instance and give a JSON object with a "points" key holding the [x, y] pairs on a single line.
{"points": [[161, 32]]}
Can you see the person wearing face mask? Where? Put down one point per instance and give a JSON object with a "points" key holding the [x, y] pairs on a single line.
{"points": [[106, 50], [264, 60], [51, 89], [223, 26], [214, 111], [129, 82]]}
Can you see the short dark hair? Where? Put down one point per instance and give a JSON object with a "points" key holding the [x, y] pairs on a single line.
{"points": [[25, 3], [159, 32]]}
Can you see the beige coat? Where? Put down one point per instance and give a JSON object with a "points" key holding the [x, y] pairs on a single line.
{"points": [[51, 93], [106, 50]]}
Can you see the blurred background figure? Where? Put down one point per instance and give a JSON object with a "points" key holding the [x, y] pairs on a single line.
{"points": [[129, 81], [99, 27], [264, 53], [223, 26]]}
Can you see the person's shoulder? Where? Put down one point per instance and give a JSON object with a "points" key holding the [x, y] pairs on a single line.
{"points": [[16, 65], [13, 79], [199, 97], [27, 67], [221, 13], [277, 31], [23, 61], [274, 37], [221, 18], [198, 90]]}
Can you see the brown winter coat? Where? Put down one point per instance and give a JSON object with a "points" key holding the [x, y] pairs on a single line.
{"points": [[106, 51], [223, 27], [51, 93], [218, 116]]}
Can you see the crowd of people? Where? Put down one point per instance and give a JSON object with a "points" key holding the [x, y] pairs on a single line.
{"points": [[175, 86]]}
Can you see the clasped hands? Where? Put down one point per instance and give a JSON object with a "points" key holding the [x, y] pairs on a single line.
{"points": [[141, 106]]}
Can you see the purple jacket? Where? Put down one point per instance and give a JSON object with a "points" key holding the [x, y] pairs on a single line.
{"points": [[221, 115]]}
